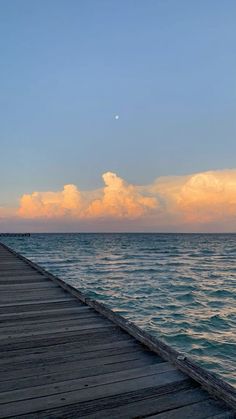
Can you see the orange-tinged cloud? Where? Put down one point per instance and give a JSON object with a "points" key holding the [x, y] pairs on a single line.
{"points": [[202, 197], [120, 200], [207, 196], [191, 200], [51, 204], [117, 200]]}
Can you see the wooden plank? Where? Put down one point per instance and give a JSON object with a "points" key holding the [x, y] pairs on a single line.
{"points": [[170, 378], [30, 279], [9, 263], [33, 296], [52, 368], [14, 308], [81, 317], [55, 315], [6, 253], [200, 410], [225, 415], [39, 299], [77, 410], [52, 327], [56, 338], [53, 340], [72, 372], [30, 303], [6, 258], [80, 384], [140, 408], [20, 294], [15, 234], [55, 326], [20, 273], [83, 409], [65, 348], [70, 356], [62, 331], [15, 269], [50, 312], [21, 278], [46, 326], [28, 287]]}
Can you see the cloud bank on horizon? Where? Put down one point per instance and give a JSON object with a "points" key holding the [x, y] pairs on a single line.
{"points": [[195, 202]]}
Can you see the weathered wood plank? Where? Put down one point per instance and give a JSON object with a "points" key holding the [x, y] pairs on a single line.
{"points": [[226, 415], [200, 410], [76, 336], [65, 348], [33, 315], [20, 273], [30, 303], [69, 356], [48, 329], [53, 368], [18, 294], [23, 278], [81, 383], [10, 261], [29, 279], [56, 338], [14, 308], [71, 373], [75, 318], [77, 410], [28, 287], [63, 332], [26, 319], [33, 297], [140, 408], [9, 271], [170, 378]]}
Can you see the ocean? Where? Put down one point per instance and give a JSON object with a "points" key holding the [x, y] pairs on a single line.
{"points": [[179, 287]]}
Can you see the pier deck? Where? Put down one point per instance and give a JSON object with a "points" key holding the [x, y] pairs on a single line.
{"points": [[65, 356]]}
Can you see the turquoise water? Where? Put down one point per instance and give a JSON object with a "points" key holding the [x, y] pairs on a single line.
{"points": [[179, 287]]}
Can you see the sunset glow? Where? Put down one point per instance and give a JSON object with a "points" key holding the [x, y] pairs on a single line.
{"points": [[192, 201]]}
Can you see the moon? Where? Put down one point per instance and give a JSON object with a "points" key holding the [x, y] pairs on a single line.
{"points": [[117, 116]]}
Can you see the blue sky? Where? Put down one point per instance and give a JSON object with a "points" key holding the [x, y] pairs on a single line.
{"points": [[68, 67]]}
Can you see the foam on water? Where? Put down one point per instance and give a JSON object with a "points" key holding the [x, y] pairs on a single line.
{"points": [[179, 287]]}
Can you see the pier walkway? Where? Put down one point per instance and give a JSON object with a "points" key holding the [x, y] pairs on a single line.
{"points": [[65, 356]]}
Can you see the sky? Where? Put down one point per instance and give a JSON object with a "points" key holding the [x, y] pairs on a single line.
{"points": [[166, 68]]}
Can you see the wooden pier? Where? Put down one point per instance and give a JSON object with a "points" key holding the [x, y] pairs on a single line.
{"points": [[65, 356], [14, 234]]}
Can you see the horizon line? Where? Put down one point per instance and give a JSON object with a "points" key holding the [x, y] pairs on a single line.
{"points": [[117, 232]]}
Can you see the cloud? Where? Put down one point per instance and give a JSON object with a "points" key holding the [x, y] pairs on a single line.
{"points": [[199, 198], [117, 199], [51, 204], [200, 201], [120, 200], [209, 196]]}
